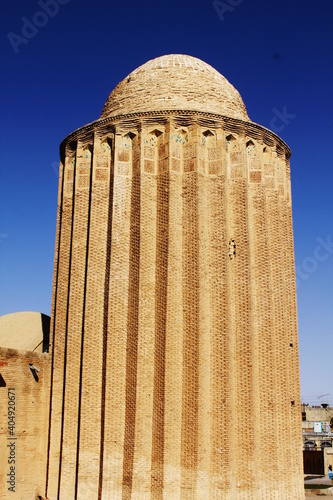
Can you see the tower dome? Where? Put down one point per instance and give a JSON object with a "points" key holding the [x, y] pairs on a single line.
{"points": [[175, 82]]}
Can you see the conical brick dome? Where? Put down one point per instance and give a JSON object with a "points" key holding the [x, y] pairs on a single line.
{"points": [[175, 82]]}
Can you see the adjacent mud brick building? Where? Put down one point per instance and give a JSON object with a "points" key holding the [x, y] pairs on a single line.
{"points": [[24, 404], [174, 332]]}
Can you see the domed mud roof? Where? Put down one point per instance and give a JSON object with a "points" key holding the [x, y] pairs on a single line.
{"points": [[26, 331]]}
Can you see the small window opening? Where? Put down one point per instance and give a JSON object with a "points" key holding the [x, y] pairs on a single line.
{"points": [[130, 135], [156, 132], [230, 138], [291, 344], [208, 133], [303, 416], [292, 403], [2, 381]]}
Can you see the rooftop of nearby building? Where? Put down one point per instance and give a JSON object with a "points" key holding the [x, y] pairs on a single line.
{"points": [[25, 330]]}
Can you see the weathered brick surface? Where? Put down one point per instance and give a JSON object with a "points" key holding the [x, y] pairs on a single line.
{"points": [[26, 424], [175, 82]]}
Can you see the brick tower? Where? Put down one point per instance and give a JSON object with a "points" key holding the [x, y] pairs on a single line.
{"points": [[175, 353]]}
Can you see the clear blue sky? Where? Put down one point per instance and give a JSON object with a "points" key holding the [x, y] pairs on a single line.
{"points": [[56, 78]]}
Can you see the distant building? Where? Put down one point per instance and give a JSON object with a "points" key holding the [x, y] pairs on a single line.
{"points": [[316, 426], [317, 431], [174, 369]]}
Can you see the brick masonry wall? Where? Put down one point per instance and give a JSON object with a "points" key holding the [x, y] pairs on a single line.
{"points": [[175, 82], [24, 412], [175, 354]]}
